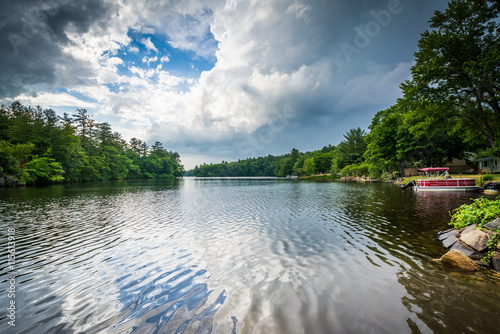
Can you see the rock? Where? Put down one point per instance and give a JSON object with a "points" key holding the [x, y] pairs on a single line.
{"points": [[450, 241], [488, 232], [469, 228], [2, 180], [446, 234], [475, 239], [482, 264], [495, 259], [10, 181], [459, 260], [493, 225], [467, 250]]}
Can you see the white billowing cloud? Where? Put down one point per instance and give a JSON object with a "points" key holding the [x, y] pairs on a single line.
{"points": [[53, 100], [273, 66], [133, 49], [148, 30], [149, 60], [262, 68], [148, 44]]}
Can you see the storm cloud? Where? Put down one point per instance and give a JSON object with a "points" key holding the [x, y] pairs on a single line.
{"points": [[274, 74]]}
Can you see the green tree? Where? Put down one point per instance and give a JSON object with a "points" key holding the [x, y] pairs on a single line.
{"points": [[350, 150], [382, 141], [42, 169], [322, 161], [309, 166], [458, 61]]}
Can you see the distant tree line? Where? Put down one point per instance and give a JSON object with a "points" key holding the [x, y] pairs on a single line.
{"points": [[38, 146], [287, 164], [449, 109], [323, 161]]}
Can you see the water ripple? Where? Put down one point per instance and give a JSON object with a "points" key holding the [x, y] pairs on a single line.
{"points": [[236, 256]]}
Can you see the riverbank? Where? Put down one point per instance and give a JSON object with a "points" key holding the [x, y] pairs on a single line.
{"points": [[473, 243], [343, 178], [10, 181], [474, 240]]}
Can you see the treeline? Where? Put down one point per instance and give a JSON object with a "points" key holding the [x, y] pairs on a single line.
{"points": [[328, 159], [283, 165], [38, 146], [450, 108]]}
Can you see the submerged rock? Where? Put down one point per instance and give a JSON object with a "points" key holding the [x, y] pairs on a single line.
{"points": [[459, 260]]}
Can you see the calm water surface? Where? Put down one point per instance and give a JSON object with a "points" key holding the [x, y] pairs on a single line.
{"points": [[236, 256]]}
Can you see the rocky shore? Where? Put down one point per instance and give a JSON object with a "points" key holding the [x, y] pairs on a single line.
{"points": [[9, 181], [469, 245]]}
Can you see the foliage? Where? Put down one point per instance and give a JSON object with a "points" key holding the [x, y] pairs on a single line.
{"points": [[480, 212], [350, 150], [382, 141], [42, 169], [362, 169], [491, 245], [487, 177], [310, 166], [457, 64], [37, 146], [322, 162]]}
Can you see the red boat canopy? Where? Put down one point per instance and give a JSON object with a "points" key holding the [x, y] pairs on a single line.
{"points": [[434, 169]]}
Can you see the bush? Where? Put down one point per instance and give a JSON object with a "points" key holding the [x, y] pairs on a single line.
{"points": [[487, 177], [480, 212], [356, 169]]}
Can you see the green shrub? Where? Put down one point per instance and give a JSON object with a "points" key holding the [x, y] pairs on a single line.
{"points": [[492, 246], [487, 177], [480, 212]]}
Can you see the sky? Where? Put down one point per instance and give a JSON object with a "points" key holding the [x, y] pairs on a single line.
{"points": [[211, 79]]}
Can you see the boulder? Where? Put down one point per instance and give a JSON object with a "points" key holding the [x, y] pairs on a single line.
{"points": [[469, 228], [495, 259], [475, 238], [459, 260], [493, 225]]}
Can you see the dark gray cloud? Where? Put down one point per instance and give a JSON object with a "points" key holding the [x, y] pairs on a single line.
{"points": [[32, 34], [286, 74]]}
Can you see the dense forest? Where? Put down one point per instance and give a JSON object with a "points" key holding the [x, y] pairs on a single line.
{"points": [[449, 109], [37, 146]]}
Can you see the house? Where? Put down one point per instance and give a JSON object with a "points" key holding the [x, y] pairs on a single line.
{"points": [[489, 164]]}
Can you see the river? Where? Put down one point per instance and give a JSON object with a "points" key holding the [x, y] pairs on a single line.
{"points": [[236, 255]]}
